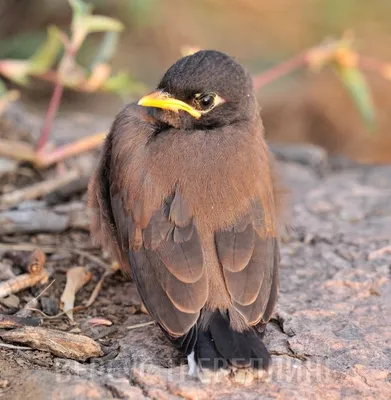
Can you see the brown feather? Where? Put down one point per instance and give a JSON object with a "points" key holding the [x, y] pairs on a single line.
{"points": [[179, 211], [247, 255], [244, 286], [235, 247], [253, 312], [190, 249], [178, 269], [145, 267], [188, 298], [184, 259], [274, 289]]}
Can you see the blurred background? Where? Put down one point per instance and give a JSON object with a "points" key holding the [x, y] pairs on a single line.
{"points": [[302, 107]]}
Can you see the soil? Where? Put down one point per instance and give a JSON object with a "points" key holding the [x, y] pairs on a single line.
{"points": [[330, 334]]}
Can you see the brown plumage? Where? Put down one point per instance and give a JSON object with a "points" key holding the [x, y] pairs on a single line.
{"points": [[184, 197]]}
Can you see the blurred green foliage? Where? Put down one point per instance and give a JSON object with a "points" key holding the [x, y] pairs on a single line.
{"points": [[85, 71], [62, 48], [358, 89]]}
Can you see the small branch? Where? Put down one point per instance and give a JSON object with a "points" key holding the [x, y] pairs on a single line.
{"points": [[374, 65], [89, 302], [17, 150], [292, 355], [114, 268], [22, 282], [11, 321], [49, 117], [315, 57], [280, 70], [25, 312], [52, 249], [57, 316], [37, 190], [136, 326], [20, 151], [45, 159], [319, 56], [91, 257], [49, 76], [42, 220], [13, 347], [61, 344]]}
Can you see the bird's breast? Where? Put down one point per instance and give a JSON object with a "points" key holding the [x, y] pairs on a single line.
{"points": [[218, 176]]}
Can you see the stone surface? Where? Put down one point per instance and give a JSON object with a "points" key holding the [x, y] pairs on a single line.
{"points": [[331, 333]]}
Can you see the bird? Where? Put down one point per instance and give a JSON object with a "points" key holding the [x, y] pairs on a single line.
{"points": [[186, 197]]}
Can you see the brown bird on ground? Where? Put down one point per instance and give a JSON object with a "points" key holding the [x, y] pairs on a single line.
{"points": [[185, 198]]}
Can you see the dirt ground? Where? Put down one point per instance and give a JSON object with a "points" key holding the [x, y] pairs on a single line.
{"points": [[330, 335]]}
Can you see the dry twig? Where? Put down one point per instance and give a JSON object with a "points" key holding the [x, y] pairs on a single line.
{"points": [[32, 304], [37, 275], [53, 249], [17, 150], [136, 326], [13, 347], [22, 282], [89, 302], [59, 315], [12, 321], [95, 292], [21, 151], [61, 344], [38, 189], [56, 219]]}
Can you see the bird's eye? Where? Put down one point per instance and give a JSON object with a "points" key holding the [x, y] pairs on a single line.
{"points": [[205, 101]]}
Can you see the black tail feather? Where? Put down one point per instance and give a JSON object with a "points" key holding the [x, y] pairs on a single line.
{"points": [[185, 343], [206, 354], [220, 345]]}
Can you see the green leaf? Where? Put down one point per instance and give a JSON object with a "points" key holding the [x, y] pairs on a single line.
{"points": [[3, 88], [360, 93], [79, 9], [107, 49], [46, 55], [15, 70], [21, 46], [139, 12], [101, 23], [122, 84]]}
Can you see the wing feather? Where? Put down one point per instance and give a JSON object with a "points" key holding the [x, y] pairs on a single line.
{"points": [[162, 251], [169, 273], [249, 256], [235, 247]]}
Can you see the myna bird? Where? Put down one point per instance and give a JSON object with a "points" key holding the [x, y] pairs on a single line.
{"points": [[184, 198]]}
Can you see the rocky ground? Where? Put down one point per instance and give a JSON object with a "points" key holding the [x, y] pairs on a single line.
{"points": [[330, 336]]}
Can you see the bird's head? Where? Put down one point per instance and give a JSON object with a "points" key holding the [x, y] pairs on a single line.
{"points": [[205, 90]]}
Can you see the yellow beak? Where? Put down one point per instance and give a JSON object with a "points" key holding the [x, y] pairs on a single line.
{"points": [[163, 100]]}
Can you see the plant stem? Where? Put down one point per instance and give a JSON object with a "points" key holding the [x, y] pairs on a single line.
{"points": [[50, 115], [45, 159], [373, 65], [272, 74]]}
